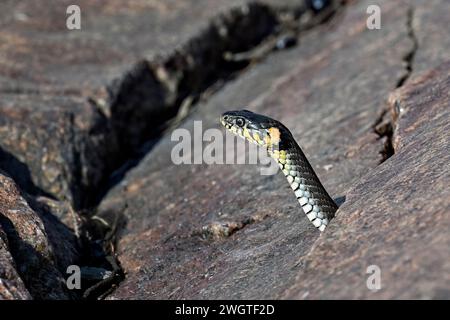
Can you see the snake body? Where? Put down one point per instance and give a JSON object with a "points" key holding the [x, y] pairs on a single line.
{"points": [[268, 133]]}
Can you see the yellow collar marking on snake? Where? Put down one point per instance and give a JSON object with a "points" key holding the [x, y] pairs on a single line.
{"points": [[274, 135]]}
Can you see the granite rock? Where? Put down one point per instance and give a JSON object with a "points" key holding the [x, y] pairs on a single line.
{"points": [[11, 286], [35, 245]]}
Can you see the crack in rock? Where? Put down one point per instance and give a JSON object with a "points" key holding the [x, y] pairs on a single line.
{"points": [[408, 60], [383, 127], [385, 124]]}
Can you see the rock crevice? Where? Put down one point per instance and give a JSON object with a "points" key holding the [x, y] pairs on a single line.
{"points": [[408, 60], [385, 124]]}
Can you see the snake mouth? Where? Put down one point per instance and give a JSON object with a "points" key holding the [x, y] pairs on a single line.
{"points": [[232, 128], [225, 123], [228, 121]]}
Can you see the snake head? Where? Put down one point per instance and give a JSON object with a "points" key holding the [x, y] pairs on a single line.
{"points": [[255, 128]]}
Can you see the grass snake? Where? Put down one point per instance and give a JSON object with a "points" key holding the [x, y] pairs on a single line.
{"points": [[268, 133]]}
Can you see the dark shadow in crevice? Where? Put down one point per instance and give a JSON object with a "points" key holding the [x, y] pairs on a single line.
{"points": [[384, 129], [340, 200]]}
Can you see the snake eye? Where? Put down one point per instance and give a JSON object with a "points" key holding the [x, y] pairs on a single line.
{"points": [[239, 122]]}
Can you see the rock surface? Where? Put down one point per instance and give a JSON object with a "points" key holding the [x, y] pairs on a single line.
{"points": [[41, 247], [216, 231], [114, 35], [11, 286], [427, 26], [55, 146]]}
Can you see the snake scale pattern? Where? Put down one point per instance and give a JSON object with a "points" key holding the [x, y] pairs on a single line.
{"points": [[268, 133]]}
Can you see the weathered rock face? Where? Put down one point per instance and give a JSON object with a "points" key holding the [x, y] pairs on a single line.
{"points": [[199, 231], [11, 286], [427, 26], [41, 247], [114, 35], [55, 146], [400, 208]]}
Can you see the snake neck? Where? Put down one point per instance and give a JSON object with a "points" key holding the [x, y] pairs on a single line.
{"points": [[315, 201]]}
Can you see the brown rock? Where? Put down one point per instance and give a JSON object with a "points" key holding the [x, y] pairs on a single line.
{"points": [[41, 246], [55, 146], [429, 25], [114, 35], [329, 91], [11, 286]]}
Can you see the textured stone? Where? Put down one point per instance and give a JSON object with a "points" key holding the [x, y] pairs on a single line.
{"points": [[114, 35], [55, 146], [329, 91], [11, 286], [429, 25], [396, 216], [40, 245]]}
